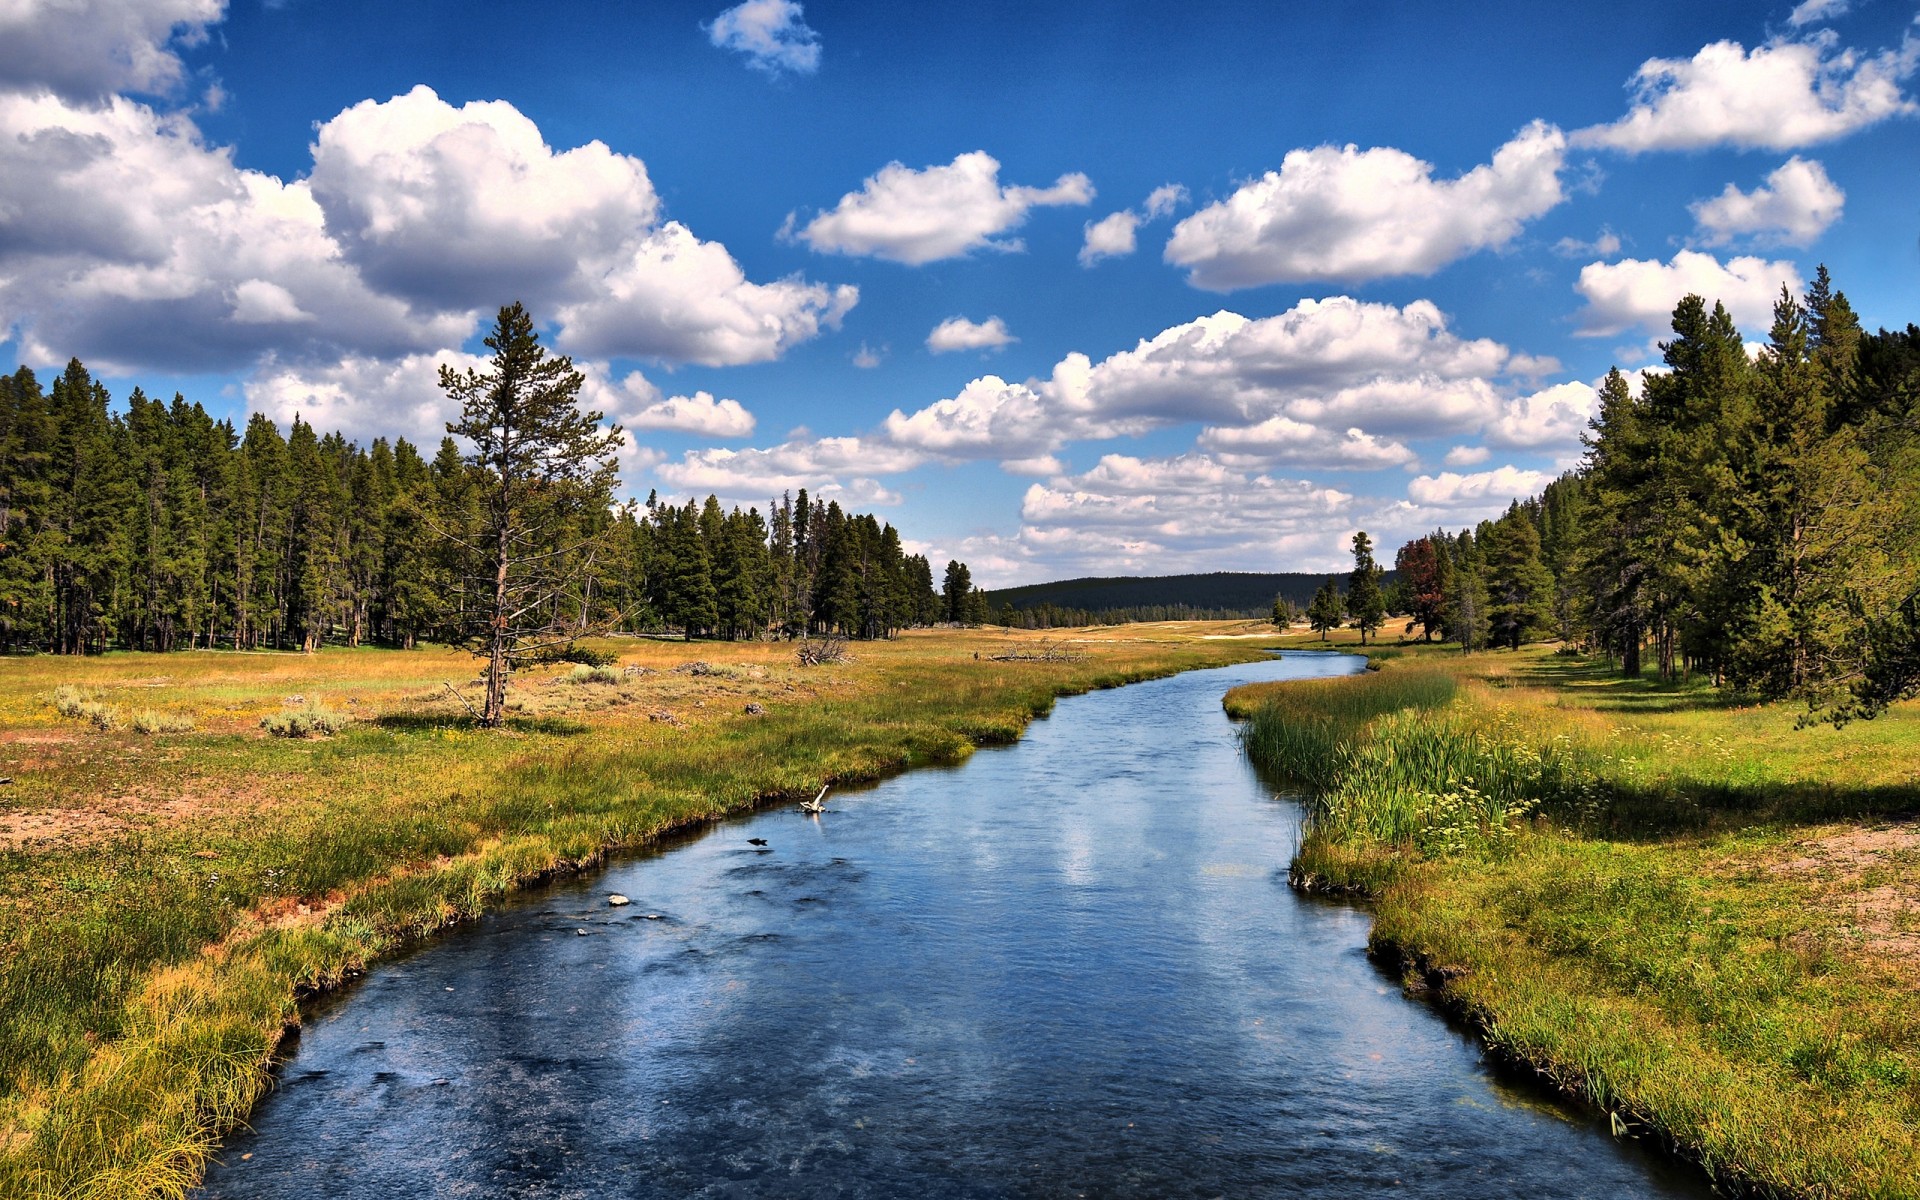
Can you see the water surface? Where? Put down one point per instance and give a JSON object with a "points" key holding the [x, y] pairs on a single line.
{"points": [[1071, 967]]}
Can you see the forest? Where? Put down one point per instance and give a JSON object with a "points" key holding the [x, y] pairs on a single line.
{"points": [[1754, 518], [161, 528]]}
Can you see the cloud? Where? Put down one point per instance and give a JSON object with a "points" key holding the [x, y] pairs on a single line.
{"points": [[771, 34], [699, 413], [1782, 95], [1112, 236], [1553, 417], [1109, 237], [88, 49], [1794, 206], [836, 466], [1336, 364], [1282, 440], [363, 397], [1640, 293], [1467, 456], [1162, 514], [130, 242], [677, 298], [1481, 491], [456, 208], [1605, 244], [1811, 12], [868, 357], [1345, 214], [938, 212], [958, 333], [1163, 200]]}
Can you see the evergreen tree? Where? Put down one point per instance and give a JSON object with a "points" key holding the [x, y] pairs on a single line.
{"points": [[1519, 587], [1365, 602], [959, 583], [541, 462], [1328, 606]]}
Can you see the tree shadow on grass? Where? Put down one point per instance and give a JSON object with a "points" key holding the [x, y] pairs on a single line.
{"points": [[1605, 689], [429, 722], [1663, 812]]}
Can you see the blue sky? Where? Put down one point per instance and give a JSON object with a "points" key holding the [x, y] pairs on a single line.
{"points": [[1063, 289]]}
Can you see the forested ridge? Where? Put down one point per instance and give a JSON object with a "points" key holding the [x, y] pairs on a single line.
{"points": [[1113, 600], [1754, 518], [161, 528]]}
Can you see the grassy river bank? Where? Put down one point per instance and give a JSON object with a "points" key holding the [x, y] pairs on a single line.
{"points": [[166, 897], [1687, 912]]}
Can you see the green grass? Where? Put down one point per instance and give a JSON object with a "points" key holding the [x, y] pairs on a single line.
{"points": [[151, 957], [1679, 908]]}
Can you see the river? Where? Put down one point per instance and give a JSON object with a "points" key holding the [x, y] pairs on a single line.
{"points": [[1070, 967]]}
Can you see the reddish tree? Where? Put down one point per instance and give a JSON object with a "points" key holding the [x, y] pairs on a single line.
{"points": [[1420, 576]]}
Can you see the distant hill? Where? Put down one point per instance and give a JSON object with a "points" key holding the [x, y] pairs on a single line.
{"points": [[1216, 594]]}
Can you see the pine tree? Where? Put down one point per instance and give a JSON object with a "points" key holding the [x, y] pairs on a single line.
{"points": [[1365, 603], [1328, 606], [540, 462], [1519, 587]]}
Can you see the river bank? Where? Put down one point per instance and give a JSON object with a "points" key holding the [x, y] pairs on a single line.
{"points": [[167, 898], [1687, 912]]}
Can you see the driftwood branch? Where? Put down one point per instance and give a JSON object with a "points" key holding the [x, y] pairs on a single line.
{"points": [[462, 699]]}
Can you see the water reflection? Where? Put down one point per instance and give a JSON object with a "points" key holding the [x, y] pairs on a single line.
{"points": [[1071, 967]]}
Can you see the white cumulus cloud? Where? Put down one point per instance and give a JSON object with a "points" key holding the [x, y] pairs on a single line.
{"points": [[771, 33], [921, 216], [843, 467], [1794, 206], [1642, 293], [1283, 440], [1553, 417], [1781, 95], [1337, 365], [1346, 214], [1481, 490], [647, 408], [1112, 236], [363, 397], [1162, 515], [958, 333], [458, 208], [87, 49], [127, 240]]}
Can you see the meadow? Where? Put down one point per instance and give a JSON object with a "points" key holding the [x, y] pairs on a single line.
{"points": [[1695, 914], [191, 843]]}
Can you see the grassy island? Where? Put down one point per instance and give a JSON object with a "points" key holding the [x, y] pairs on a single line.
{"points": [[1685, 910], [179, 865]]}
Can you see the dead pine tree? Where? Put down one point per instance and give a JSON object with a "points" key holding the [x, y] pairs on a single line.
{"points": [[544, 474]]}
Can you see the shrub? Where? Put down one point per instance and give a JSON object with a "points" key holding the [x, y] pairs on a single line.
{"points": [[151, 721], [83, 705], [314, 720], [592, 674]]}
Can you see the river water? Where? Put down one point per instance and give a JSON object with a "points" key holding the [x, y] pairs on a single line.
{"points": [[1070, 967]]}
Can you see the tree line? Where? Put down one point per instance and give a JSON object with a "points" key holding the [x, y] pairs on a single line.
{"points": [[157, 527], [1754, 518]]}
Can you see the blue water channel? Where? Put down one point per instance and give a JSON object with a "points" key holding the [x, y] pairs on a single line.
{"points": [[1070, 967]]}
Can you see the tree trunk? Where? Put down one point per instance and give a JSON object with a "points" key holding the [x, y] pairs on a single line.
{"points": [[496, 708]]}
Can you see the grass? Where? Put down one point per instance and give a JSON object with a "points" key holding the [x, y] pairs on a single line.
{"points": [[1675, 906], [165, 902]]}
